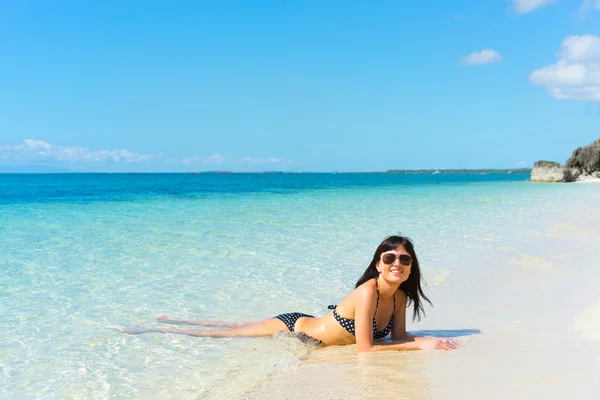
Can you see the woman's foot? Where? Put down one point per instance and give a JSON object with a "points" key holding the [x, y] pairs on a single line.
{"points": [[166, 320], [135, 330]]}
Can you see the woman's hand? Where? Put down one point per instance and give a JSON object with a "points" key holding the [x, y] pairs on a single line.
{"points": [[428, 343]]}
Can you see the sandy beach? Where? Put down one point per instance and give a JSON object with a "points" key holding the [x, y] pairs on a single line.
{"points": [[538, 318]]}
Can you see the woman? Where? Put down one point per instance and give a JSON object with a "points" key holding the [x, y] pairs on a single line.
{"points": [[375, 308]]}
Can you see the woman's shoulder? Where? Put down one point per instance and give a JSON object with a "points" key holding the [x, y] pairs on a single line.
{"points": [[367, 289], [363, 296]]}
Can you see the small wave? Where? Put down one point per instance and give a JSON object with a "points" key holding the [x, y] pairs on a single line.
{"points": [[562, 229], [534, 261], [439, 278], [526, 259], [521, 258]]}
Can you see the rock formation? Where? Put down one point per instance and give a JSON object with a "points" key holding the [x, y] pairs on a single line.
{"points": [[583, 164], [586, 159], [550, 171]]}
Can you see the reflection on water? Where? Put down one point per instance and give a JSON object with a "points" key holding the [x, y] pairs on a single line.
{"points": [[245, 362], [339, 372], [446, 333]]}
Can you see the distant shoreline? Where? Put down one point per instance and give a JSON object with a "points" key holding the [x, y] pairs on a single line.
{"points": [[461, 171]]}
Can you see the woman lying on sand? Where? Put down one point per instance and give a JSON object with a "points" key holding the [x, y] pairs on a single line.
{"points": [[387, 287]]}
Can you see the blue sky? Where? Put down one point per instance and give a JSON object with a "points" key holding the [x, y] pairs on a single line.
{"points": [[296, 85]]}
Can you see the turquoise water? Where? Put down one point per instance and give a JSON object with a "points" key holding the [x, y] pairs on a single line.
{"points": [[84, 254]]}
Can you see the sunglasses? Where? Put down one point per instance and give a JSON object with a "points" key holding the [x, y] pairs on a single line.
{"points": [[390, 258]]}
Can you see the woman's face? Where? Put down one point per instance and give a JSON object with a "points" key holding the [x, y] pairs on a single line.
{"points": [[394, 265]]}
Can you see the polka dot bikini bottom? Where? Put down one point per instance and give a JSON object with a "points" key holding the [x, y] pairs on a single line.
{"points": [[290, 319]]}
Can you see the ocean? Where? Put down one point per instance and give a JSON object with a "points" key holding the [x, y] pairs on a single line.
{"points": [[83, 255]]}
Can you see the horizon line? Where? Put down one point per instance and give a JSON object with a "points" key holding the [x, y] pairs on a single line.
{"points": [[224, 172]]}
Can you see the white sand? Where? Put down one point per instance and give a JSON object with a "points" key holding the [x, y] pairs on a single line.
{"points": [[588, 180], [537, 306]]}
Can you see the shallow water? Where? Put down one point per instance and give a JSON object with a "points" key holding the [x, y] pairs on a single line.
{"points": [[82, 254]]}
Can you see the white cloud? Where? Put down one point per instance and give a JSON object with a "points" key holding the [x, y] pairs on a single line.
{"points": [[576, 75], [39, 151], [561, 73], [485, 56], [186, 160], [580, 48], [271, 160], [215, 159], [526, 6], [255, 163]]}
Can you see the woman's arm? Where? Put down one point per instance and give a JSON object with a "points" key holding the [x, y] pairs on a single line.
{"points": [[421, 343], [364, 308], [409, 342]]}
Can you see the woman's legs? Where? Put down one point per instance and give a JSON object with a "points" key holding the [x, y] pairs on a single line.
{"points": [[167, 320], [266, 328]]}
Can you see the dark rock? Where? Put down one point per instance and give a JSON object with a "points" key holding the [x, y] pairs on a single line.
{"points": [[571, 174], [586, 159]]}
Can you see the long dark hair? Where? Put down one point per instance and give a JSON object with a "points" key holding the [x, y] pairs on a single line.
{"points": [[411, 286]]}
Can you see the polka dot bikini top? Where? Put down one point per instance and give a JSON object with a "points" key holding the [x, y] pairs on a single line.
{"points": [[349, 324]]}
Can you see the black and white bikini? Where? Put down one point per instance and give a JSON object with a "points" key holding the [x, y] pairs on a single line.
{"points": [[290, 319], [349, 324]]}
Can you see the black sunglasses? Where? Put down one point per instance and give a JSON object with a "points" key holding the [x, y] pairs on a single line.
{"points": [[390, 258]]}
